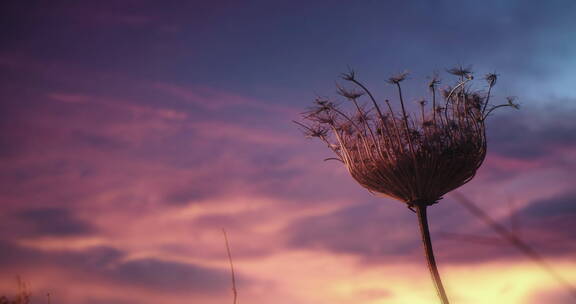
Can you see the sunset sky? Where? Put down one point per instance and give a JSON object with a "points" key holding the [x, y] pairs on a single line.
{"points": [[132, 132]]}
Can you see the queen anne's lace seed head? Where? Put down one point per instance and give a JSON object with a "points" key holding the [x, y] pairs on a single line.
{"points": [[413, 158]]}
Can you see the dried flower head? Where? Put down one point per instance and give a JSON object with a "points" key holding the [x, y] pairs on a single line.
{"points": [[398, 78], [434, 82], [512, 102], [461, 71], [491, 79], [349, 93], [415, 159], [349, 76]]}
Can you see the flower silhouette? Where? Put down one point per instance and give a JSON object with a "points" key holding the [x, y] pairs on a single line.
{"points": [[414, 158]]}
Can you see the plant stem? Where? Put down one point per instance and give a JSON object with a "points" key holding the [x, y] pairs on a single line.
{"points": [[234, 290], [427, 242]]}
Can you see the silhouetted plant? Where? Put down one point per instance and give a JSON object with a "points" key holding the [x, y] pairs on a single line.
{"points": [[232, 273], [414, 158], [23, 296]]}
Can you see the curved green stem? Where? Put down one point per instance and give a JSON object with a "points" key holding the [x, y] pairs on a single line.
{"points": [[427, 242]]}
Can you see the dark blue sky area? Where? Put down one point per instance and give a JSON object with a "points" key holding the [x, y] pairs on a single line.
{"points": [[286, 52]]}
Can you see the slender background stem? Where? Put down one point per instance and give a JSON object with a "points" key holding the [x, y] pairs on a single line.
{"points": [[427, 242], [515, 241], [234, 290]]}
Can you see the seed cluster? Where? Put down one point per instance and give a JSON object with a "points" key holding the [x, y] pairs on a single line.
{"points": [[415, 158]]}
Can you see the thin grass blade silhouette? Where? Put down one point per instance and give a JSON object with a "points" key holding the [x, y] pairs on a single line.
{"points": [[515, 223], [514, 241], [234, 290]]}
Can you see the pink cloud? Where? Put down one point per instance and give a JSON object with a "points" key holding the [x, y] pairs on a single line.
{"points": [[157, 180], [213, 99]]}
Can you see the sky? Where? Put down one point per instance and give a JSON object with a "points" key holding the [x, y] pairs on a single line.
{"points": [[133, 132]]}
